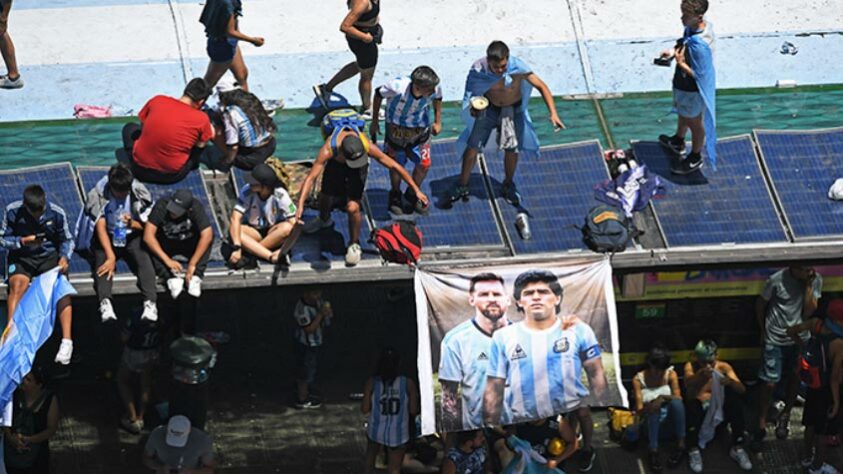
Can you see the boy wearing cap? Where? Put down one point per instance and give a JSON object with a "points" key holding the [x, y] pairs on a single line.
{"points": [[408, 128], [178, 226], [345, 159], [263, 217], [700, 397], [821, 414], [178, 447]]}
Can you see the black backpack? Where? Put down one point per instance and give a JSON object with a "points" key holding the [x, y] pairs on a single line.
{"points": [[607, 229]]}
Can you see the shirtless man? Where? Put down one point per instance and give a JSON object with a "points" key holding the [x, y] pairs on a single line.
{"points": [[500, 79], [698, 380]]}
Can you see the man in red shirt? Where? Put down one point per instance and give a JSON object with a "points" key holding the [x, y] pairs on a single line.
{"points": [[172, 135]]}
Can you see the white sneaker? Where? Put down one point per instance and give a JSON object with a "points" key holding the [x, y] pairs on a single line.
{"points": [[317, 224], [150, 311], [353, 254], [824, 469], [107, 311], [738, 454], [6, 83], [175, 285], [65, 351], [194, 288], [695, 460]]}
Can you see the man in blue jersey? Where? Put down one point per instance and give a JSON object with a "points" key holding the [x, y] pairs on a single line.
{"points": [[539, 359], [408, 128], [465, 354]]}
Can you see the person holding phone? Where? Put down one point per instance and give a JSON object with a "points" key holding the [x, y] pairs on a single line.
{"points": [[37, 236]]}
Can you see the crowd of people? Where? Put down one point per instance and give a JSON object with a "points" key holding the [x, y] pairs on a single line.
{"points": [[485, 414]]}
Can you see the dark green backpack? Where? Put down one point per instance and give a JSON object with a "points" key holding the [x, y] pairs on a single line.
{"points": [[606, 229]]}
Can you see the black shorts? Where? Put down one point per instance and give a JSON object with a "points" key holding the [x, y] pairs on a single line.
{"points": [[32, 266], [365, 53], [815, 412], [340, 181], [247, 158]]}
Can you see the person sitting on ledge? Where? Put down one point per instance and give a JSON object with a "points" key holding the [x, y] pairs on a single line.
{"points": [[168, 143]]}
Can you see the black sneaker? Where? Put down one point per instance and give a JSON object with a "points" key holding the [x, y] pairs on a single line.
{"points": [[415, 205], [756, 444], [655, 462], [585, 460], [674, 143], [510, 193], [676, 457], [322, 94], [691, 164], [395, 205], [311, 402]]}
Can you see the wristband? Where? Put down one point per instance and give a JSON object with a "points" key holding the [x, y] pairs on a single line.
{"points": [[235, 248]]}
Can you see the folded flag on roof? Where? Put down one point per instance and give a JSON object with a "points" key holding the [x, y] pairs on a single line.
{"points": [[32, 325], [631, 190]]}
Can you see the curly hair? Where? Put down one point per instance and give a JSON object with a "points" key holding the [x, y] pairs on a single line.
{"points": [[251, 106]]}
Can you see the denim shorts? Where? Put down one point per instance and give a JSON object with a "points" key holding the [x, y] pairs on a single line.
{"points": [[307, 359], [777, 362], [688, 104], [489, 120], [221, 50]]}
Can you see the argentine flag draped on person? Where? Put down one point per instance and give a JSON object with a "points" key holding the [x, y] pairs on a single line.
{"points": [[31, 326], [702, 58], [480, 79]]}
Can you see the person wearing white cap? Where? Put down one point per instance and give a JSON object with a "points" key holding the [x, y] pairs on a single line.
{"points": [[345, 159], [177, 447]]}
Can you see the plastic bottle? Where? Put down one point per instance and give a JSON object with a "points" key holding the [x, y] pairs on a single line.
{"points": [[121, 230]]}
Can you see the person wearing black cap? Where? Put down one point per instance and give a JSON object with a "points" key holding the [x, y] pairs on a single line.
{"points": [[179, 228], [263, 217], [345, 159]]}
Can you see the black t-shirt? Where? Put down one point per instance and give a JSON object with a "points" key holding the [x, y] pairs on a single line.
{"points": [[539, 435], [682, 81], [187, 228]]}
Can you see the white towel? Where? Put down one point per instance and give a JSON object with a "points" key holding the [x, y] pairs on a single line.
{"points": [[507, 136], [714, 414]]}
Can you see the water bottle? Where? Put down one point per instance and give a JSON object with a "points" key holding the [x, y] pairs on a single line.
{"points": [[522, 223], [121, 230]]}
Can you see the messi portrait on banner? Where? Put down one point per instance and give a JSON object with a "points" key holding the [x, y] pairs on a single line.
{"points": [[516, 343]]}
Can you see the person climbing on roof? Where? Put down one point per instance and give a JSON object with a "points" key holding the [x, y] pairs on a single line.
{"points": [[693, 90], [345, 159], [497, 93], [409, 129]]}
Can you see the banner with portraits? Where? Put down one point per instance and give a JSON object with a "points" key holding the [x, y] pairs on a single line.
{"points": [[500, 345]]}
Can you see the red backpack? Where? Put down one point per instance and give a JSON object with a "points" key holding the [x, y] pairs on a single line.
{"points": [[399, 242]]}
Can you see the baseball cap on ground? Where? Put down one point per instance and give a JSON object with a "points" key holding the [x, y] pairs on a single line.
{"points": [[178, 430], [180, 203], [354, 152], [262, 174]]}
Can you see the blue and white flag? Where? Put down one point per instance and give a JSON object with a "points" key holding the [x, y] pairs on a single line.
{"points": [[32, 324]]}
